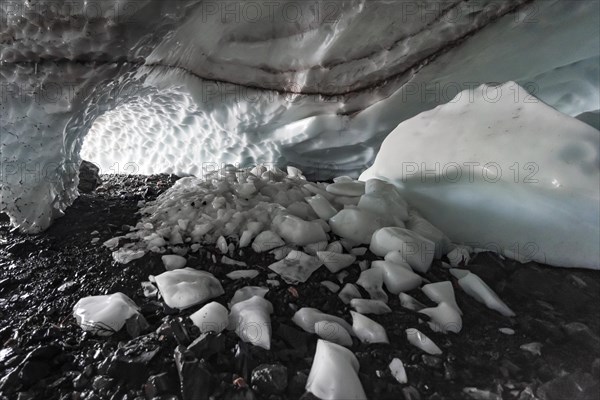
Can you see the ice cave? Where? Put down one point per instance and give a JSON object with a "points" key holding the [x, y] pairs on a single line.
{"points": [[300, 199]]}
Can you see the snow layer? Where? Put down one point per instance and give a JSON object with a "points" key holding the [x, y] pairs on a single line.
{"points": [[501, 171], [164, 86]]}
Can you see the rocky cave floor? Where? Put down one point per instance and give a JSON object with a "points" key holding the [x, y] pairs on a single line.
{"points": [[45, 354]]}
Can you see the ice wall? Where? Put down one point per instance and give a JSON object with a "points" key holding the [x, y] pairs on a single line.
{"points": [[169, 85]]}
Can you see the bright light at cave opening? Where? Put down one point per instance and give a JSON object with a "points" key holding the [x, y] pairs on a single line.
{"points": [[157, 133]]}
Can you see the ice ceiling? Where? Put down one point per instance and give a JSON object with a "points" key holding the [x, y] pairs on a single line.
{"points": [[175, 86]]}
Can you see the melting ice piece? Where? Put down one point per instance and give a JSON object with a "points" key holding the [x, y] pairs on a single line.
{"points": [[369, 306], [420, 225], [418, 252], [534, 348], [335, 247], [243, 274], [334, 332], [246, 293], [307, 317], [387, 204], [418, 339], [397, 258], [334, 374], [407, 301], [397, 278], [348, 293], [507, 331], [355, 224], [112, 243], [335, 262], [296, 267], [104, 315], [353, 188], [314, 248], [444, 318], [322, 207], [252, 322], [372, 281], [213, 317], [476, 288], [125, 256], [230, 261], [398, 371], [173, 261], [333, 287], [296, 231], [267, 240], [459, 255], [185, 287], [222, 244], [367, 330], [441, 291]]}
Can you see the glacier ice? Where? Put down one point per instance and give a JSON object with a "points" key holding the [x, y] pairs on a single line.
{"points": [[509, 163], [104, 315], [166, 96]]}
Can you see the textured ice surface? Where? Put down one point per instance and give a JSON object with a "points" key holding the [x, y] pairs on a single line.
{"points": [[415, 250], [104, 315], [370, 306], [505, 161], [333, 332], [307, 317], [246, 293], [444, 318], [334, 373], [173, 261], [296, 266], [183, 288], [397, 278], [335, 262], [355, 225]]}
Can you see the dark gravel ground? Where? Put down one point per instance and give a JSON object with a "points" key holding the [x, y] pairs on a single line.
{"points": [[45, 355]]}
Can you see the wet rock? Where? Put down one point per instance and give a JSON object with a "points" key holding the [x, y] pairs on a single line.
{"points": [[10, 382], [194, 377], [581, 333], [207, 344], [297, 384], [270, 378], [80, 382], [136, 325], [575, 386], [33, 371], [102, 383], [159, 384], [180, 332], [89, 177]]}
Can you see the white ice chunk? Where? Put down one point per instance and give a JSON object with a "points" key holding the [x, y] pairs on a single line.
{"points": [[222, 245], [335, 262], [243, 274], [335, 247], [387, 205], [477, 288], [396, 277], [444, 318], [112, 243], [230, 261], [246, 293], [370, 306], [420, 340], [313, 248], [407, 301], [398, 371], [441, 291], [333, 287], [104, 315], [307, 317], [333, 332], [322, 207], [372, 281], [367, 330], [418, 252], [183, 288], [349, 292], [213, 317], [334, 374], [173, 261], [353, 188], [296, 267], [355, 224], [252, 322], [125, 256], [459, 255], [420, 225], [267, 240], [297, 231], [397, 258], [507, 331]]}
